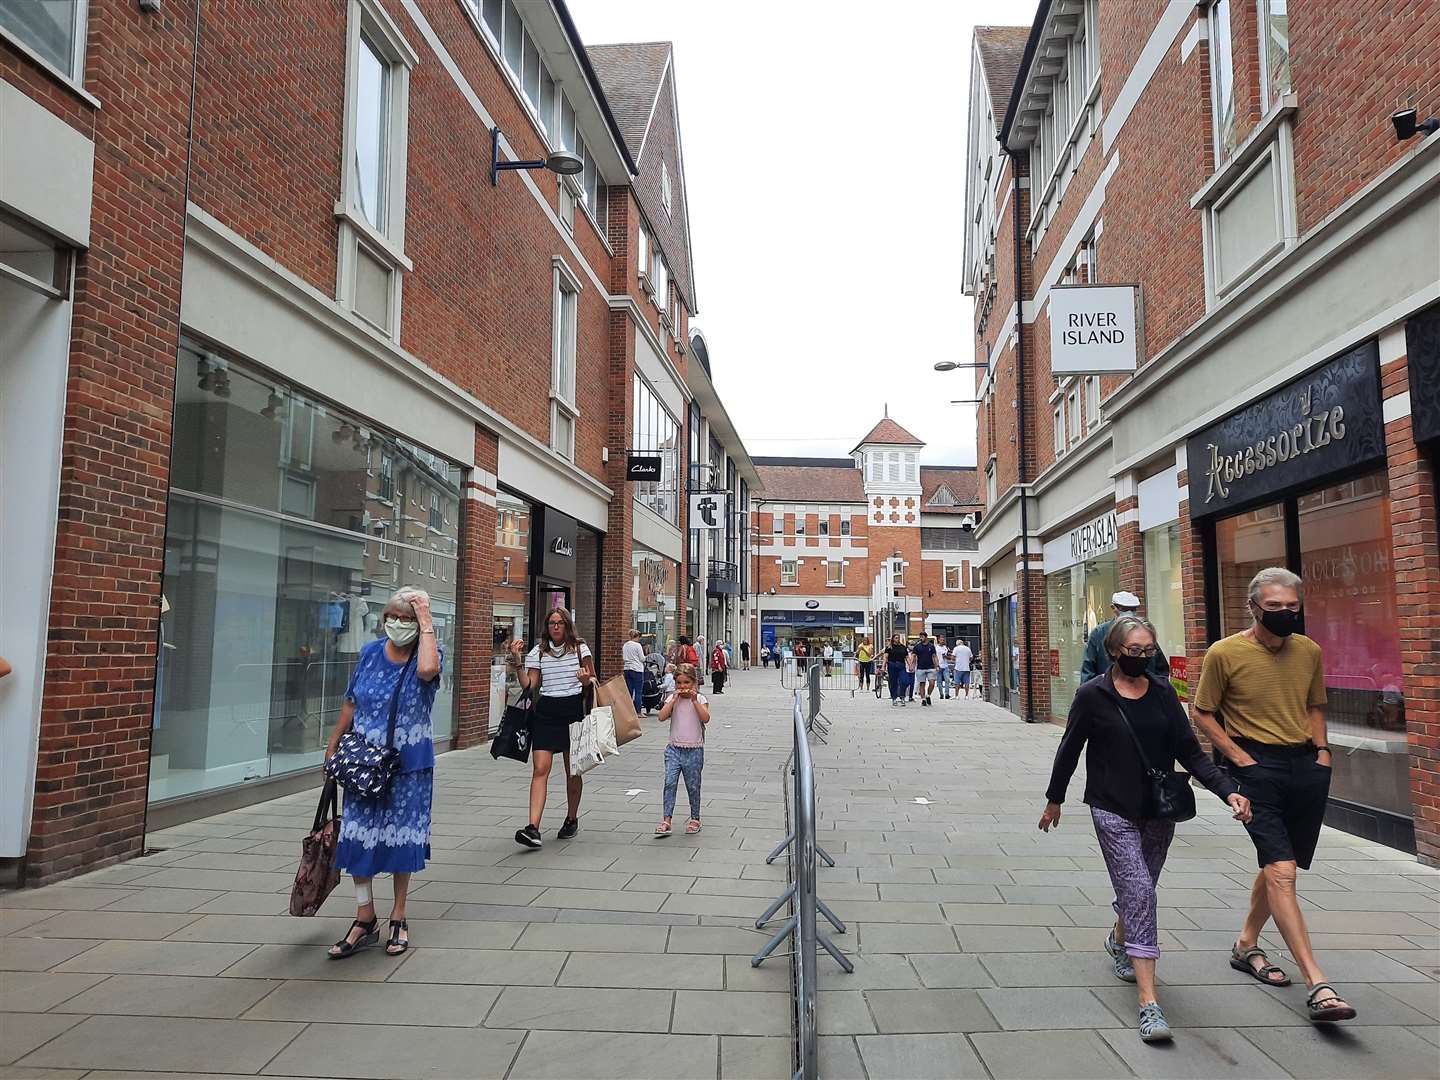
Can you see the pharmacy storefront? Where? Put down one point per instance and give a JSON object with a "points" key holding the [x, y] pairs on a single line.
{"points": [[1081, 575]]}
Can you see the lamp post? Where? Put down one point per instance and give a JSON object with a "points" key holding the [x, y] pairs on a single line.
{"points": [[562, 162]]}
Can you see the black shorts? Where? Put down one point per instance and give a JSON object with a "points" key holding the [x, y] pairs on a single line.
{"points": [[1287, 789], [550, 726]]}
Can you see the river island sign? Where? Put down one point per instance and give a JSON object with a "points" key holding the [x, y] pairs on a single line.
{"points": [[1092, 329]]}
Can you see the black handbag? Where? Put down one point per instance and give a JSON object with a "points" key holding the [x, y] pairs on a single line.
{"points": [[1171, 796], [513, 738], [363, 769]]}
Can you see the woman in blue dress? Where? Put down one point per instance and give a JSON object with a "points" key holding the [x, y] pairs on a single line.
{"points": [[390, 834]]}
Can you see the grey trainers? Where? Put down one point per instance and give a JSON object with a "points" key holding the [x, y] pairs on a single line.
{"points": [[1124, 969], [1153, 1027]]}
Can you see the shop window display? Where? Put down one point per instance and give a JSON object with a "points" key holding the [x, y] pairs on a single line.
{"points": [[1165, 600], [653, 584], [290, 524], [1078, 599]]}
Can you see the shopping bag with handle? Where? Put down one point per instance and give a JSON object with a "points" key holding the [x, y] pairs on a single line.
{"points": [[317, 876], [622, 706], [584, 750]]}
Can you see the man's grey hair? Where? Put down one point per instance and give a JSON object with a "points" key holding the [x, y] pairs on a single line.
{"points": [[1274, 575], [1121, 627], [407, 594]]}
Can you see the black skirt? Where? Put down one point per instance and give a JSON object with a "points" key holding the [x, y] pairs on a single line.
{"points": [[550, 727]]}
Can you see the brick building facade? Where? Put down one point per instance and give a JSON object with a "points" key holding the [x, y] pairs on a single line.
{"points": [[273, 344], [1282, 238], [869, 544]]}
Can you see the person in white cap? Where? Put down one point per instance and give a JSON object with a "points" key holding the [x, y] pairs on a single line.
{"points": [[1097, 660]]}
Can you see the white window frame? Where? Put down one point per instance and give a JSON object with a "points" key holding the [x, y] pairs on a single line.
{"points": [[1060, 445], [777, 526], [992, 490], [835, 574], [75, 77], [666, 195], [789, 572], [1214, 36], [1075, 422], [1269, 97], [959, 585], [562, 398], [1092, 402], [823, 526], [844, 526], [977, 578], [642, 261], [912, 465], [368, 19]]}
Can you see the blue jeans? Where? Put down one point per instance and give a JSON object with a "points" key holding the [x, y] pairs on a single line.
{"points": [[688, 760], [635, 683], [943, 681], [894, 676]]}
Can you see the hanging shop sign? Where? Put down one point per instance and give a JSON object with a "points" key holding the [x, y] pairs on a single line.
{"points": [[1325, 421], [708, 509], [1422, 350], [1096, 537], [1092, 329], [554, 539], [641, 466]]}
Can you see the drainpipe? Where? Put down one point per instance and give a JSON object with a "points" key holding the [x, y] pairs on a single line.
{"points": [[1024, 481]]}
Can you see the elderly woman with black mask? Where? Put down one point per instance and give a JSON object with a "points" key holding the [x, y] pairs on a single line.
{"points": [[1133, 722]]}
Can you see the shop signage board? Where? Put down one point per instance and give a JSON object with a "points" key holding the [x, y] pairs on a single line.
{"points": [[708, 509], [1325, 421], [1422, 350], [640, 466], [554, 535], [812, 618], [1095, 537], [1092, 329], [812, 603]]}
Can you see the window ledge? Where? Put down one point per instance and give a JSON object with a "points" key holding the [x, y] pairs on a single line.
{"points": [[67, 81], [1255, 143], [380, 244]]}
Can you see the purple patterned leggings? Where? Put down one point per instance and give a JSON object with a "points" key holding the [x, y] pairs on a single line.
{"points": [[1134, 854]]}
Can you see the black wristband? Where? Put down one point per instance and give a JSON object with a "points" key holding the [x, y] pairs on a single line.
{"points": [[1319, 747]]}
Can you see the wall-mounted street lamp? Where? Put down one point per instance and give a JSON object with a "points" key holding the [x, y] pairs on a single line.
{"points": [[1408, 124], [562, 162], [951, 365]]}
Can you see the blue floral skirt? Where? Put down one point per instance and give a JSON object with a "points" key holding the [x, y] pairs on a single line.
{"points": [[391, 834]]}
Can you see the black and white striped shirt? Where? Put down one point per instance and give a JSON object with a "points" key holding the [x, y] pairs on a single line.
{"points": [[559, 672]]}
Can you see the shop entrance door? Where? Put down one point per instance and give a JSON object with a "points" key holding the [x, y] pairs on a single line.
{"points": [[549, 596]]}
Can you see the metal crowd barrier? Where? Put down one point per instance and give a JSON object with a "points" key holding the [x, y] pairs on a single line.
{"points": [[801, 892], [840, 674]]}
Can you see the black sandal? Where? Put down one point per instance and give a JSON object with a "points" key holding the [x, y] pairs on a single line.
{"points": [[368, 938], [1240, 961], [397, 945], [1327, 1014]]}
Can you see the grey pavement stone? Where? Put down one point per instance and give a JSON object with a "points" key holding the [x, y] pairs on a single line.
{"points": [[1040, 1009], [171, 900], [1196, 1054], [600, 1055], [263, 929], [154, 1044], [489, 967], [236, 903], [918, 1011], [499, 913], [839, 1058], [772, 974], [38, 954], [1050, 969], [744, 1057], [102, 925], [713, 1012], [157, 958], [574, 1009], [1047, 1055], [959, 971], [879, 971], [13, 920], [313, 962], [715, 939], [1375, 1006], [376, 1003], [63, 898], [842, 1012], [617, 900], [573, 937], [1205, 1006], [1007, 914], [1360, 1053], [991, 939], [1360, 965], [664, 971], [399, 1053], [38, 991], [1425, 998], [169, 995], [21, 1033], [919, 1057], [909, 938]]}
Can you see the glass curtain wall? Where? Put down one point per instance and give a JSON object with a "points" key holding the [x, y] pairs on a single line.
{"points": [[290, 524], [1165, 599], [655, 431], [654, 582]]}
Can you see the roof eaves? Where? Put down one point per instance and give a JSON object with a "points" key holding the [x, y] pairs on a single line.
{"points": [[1042, 14], [583, 58]]}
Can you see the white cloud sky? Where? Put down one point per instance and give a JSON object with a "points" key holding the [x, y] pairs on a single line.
{"points": [[824, 151]]}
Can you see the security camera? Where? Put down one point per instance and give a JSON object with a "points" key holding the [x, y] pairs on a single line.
{"points": [[1407, 124]]}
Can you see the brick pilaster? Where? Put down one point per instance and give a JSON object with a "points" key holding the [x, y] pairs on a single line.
{"points": [[478, 573]]}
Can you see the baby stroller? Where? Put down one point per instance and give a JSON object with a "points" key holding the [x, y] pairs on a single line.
{"points": [[650, 692]]}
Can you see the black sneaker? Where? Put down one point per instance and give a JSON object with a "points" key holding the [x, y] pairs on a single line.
{"points": [[529, 837], [568, 829]]}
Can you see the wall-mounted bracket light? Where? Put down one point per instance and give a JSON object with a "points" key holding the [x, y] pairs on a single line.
{"points": [[562, 162]]}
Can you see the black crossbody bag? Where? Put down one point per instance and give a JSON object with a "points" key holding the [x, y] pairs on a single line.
{"points": [[363, 769], [1171, 797]]}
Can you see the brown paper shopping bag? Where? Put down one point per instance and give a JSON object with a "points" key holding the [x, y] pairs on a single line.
{"points": [[617, 695]]}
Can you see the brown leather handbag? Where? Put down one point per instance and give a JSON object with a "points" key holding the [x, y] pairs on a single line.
{"points": [[317, 876]]}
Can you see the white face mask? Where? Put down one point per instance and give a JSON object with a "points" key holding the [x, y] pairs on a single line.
{"points": [[402, 631]]}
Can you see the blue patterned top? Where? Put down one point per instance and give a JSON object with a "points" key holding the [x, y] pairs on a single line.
{"points": [[371, 687]]}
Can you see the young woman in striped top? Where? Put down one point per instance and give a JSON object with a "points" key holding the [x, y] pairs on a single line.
{"points": [[561, 668]]}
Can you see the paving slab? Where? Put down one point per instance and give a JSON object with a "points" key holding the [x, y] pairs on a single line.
{"points": [[154, 1044], [21, 1033], [923, 1011], [1041, 1009], [1357, 1053], [376, 1003], [745, 1057], [918, 1057], [551, 1008], [1195, 1054], [603, 1055], [168, 995], [397, 1052], [664, 971], [157, 958]]}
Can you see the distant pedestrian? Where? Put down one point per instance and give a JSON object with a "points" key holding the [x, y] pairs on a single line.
{"points": [[909, 673], [718, 670], [561, 668], [926, 665], [744, 656], [961, 659], [942, 665], [1095, 662], [688, 712], [896, 657], [1268, 683], [827, 654], [685, 652], [632, 655], [667, 683], [764, 656], [865, 659], [1107, 718], [390, 834], [729, 658]]}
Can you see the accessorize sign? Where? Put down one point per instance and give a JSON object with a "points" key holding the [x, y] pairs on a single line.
{"points": [[642, 466], [708, 509], [1092, 329], [1422, 350], [1096, 537], [1321, 423]]}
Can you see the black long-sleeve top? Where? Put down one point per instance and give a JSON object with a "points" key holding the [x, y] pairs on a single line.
{"points": [[1115, 779]]}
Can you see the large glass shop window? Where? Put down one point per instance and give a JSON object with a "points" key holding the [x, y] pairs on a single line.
{"points": [[290, 524], [1244, 545], [1165, 599], [1078, 598], [653, 584], [1346, 560]]}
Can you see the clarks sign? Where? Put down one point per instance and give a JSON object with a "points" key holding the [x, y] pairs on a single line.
{"points": [[1321, 423]]}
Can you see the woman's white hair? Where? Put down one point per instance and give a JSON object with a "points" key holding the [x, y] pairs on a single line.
{"points": [[407, 594], [1274, 575]]}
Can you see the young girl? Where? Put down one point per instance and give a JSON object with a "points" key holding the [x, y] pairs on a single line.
{"points": [[688, 712]]}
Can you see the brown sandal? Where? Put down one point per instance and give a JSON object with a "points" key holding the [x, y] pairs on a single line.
{"points": [[1240, 961], [1325, 1006]]}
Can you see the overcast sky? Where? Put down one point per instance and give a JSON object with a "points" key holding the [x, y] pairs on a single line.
{"points": [[824, 152]]}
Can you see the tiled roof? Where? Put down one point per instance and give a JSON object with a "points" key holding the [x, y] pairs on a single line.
{"points": [[1001, 50], [888, 431], [811, 480], [962, 482], [630, 76]]}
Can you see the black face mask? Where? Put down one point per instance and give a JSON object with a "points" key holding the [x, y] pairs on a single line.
{"points": [[1280, 623], [1133, 666]]}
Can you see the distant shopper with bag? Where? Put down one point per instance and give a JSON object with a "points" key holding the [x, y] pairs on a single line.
{"points": [[632, 656], [386, 719], [561, 669], [1133, 729], [718, 669], [687, 711]]}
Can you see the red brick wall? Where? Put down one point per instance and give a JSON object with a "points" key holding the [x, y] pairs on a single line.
{"points": [[479, 570]]}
